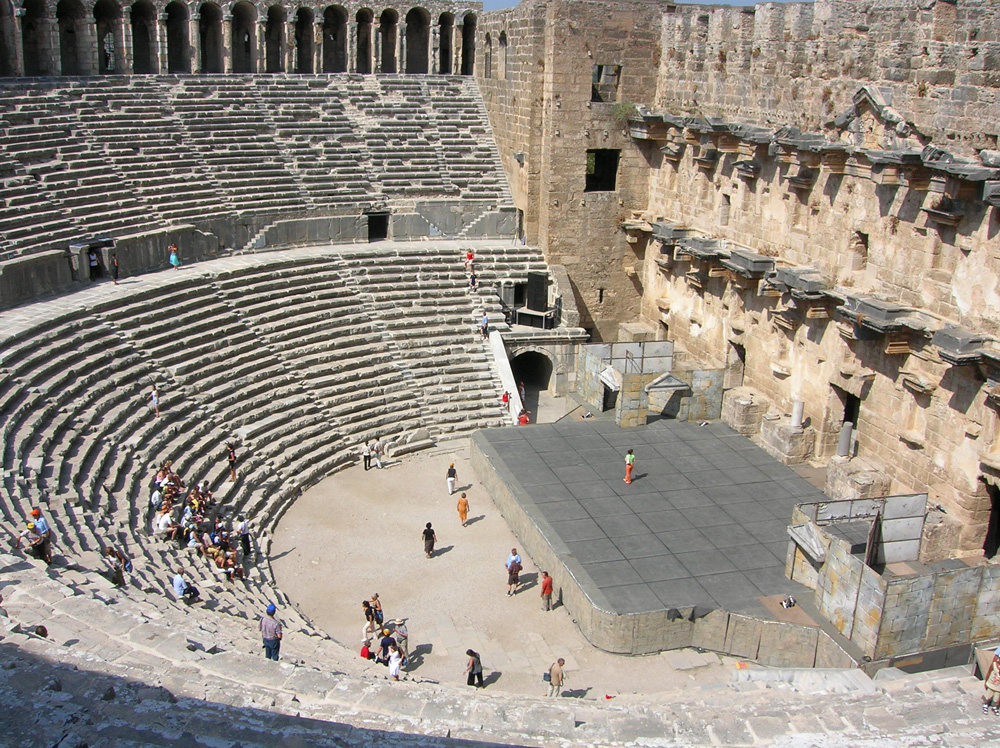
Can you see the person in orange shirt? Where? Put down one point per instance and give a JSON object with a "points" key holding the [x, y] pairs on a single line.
{"points": [[629, 464], [463, 509]]}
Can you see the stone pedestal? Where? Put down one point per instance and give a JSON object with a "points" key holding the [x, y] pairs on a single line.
{"points": [[743, 409], [789, 446], [855, 478]]}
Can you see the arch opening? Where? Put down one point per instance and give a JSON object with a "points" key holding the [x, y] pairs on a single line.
{"points": [[534, 369], [8, 61], [335, 40], [387, 26], [210, 38], [244, 38], [143, 16], [178, 45], [32, 38], [110, 47], [274, 40], [502, 66], [469, 44], [446, 32], [71, 19], [364, 20], [304, 41], [488, 56], [418, 37]]}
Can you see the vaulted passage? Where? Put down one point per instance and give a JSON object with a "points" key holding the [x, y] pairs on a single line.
{"points": [[335, 40], [364, 21], [72, 20], [178, 46], [387, 28], [446, 30], [110, 45], [469, 44], [32, 38], [418, 32], [274, 36], [244, 39], [304, 41], [143, 37], [210, 38]]}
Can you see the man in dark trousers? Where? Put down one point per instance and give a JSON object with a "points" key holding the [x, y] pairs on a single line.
{"points": [[270, 631]]}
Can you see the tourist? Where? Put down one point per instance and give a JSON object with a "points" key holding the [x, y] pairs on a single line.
{"points": [[546, 592], [402, 635], [463, 509], [452, 476], [429, 539], [95, 264], [376, 608], [115, 268], [175, 260], [366, 456], [505, 399], [366, 652], [556, 677], [991, 682], [43, 529], [473, 280], [369, 629], [474, 669], [377, 450], [395, 659], [184, 591], [383, 647], [520, 391], [119, 564], [522, 418], [154, 400], [629, 465], [514, 556], [244, 531], [35, 541], [484, 326], [231, 459], [513, 576], [469, 257], [270, 631]]}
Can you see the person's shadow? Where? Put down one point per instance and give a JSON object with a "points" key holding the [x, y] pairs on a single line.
{"points": [[527, 581], [576, 693], [492, 678], [416, 656], [441, 551], [638, 476], [459, 489], [474, 520]]}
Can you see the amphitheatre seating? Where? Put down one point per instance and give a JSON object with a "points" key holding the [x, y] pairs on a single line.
{"points": [[117, 156]]}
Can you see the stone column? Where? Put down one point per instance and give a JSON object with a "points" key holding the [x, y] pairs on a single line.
{"points": [[89, 47], [352, 46], [160, 41], [18, 61], [289, 48], [259, 62], [400, 47], [318, 44], [194, 42], [377, 51], [433, 66], [124, 60], [227, 42]]}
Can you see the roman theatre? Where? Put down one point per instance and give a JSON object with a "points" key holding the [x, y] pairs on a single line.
{"points": [[757, 245]]}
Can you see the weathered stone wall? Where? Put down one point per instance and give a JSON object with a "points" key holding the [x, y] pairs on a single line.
{"points": [[798, 62]]}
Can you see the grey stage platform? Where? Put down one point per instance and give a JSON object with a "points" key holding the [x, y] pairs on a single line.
{"points": [[702, 524]]}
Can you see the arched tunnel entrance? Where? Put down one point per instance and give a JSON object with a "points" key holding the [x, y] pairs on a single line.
{"points": [[535, 370]]}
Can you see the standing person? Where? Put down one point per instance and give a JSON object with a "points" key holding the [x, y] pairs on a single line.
{"points": [[244, 530], [270, 631], [43, 529], [484, 326], [376, 608], [463, 509], [231, 459], [366, 456], [469, 257], [556, 677], [474, 668], [384, 643], [452, 476], [35, 541], [429, 539], [546, 591], [991, 682], [520, 391], [154, 400], [629, 464], [175, 260], [402, 635], [513, 576], [505, 399], [377, 450], [369, 630], [95, 264], [115, 267], [514, 556], [522, 418], [395, 661], [473, 280]]}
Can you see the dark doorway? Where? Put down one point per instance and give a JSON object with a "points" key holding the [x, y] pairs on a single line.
{"points": [[602, 170], [334, 40], [446, 30], [469, 44], [992, 542], [304, 41], [107, 21], [364, 20], [535, 370], [378, 227], [32, 36], [178, 49], [418, 37], [609, 399], [274, 40], [852, 408], [244, 38], [210, 36], [387, 26], [143, 24], [71, 19], [736, 361]]}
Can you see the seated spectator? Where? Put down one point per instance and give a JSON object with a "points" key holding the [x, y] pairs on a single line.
{"points": [[166, 527], [118, 561], [183, 590]]}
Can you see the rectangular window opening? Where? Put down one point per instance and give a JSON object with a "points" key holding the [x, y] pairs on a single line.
{"points": [[378, 227], [604, 83], [602, 170]]}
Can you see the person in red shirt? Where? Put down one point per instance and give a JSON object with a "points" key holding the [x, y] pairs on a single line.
{"points": [[546, 591], [522, 418]]}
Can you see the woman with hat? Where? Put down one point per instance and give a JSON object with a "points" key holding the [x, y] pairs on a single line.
{"points": [[991, 681]]}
